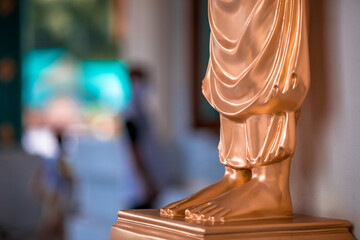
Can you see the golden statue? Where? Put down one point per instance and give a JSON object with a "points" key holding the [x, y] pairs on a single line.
{"points": [[257, 79]]}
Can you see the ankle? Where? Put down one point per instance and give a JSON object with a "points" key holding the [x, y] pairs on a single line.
{"points": [[237, 176]]}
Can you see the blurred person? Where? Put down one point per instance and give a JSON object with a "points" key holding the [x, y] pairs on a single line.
{"points": [[142, 139], [53, 181]]}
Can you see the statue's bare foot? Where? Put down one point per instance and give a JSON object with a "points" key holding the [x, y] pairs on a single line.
{"points": [[266, 195], [232, 179]]}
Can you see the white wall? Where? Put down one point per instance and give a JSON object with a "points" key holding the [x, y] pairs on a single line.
{"points": [[146, 44], [326, 168]]}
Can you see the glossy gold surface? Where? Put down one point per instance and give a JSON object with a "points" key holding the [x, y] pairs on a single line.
{"points": [[257, 78], [148, 225]]}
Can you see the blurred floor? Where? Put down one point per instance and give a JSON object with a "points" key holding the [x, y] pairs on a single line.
{"points": [[105, 183], [19, 210]]}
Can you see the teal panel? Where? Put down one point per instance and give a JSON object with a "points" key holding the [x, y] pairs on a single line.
{"points": [[108, 83]]}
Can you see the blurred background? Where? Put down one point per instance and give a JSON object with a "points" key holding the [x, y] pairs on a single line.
{"points": [[101, 110]]}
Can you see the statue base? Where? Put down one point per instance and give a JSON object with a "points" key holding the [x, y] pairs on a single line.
{"points": [[147, 224]]}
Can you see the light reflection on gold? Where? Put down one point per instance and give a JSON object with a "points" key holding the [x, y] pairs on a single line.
{"points": [[257, 78]]}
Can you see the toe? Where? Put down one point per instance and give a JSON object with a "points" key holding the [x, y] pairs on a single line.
{"points": [[190, 212], [170, 212], [163, 212], [175, 211], [202, 213], [187, 213], [172, 209], [210, 214], [219, 215]]}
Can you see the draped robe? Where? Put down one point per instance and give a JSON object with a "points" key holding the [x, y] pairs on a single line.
{"points": [[257, 76]]}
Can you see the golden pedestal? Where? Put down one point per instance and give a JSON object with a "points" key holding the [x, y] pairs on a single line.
{"points": [[147, 224]]}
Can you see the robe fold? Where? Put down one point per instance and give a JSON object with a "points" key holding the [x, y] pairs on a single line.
{"points": [[257, 77]]}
